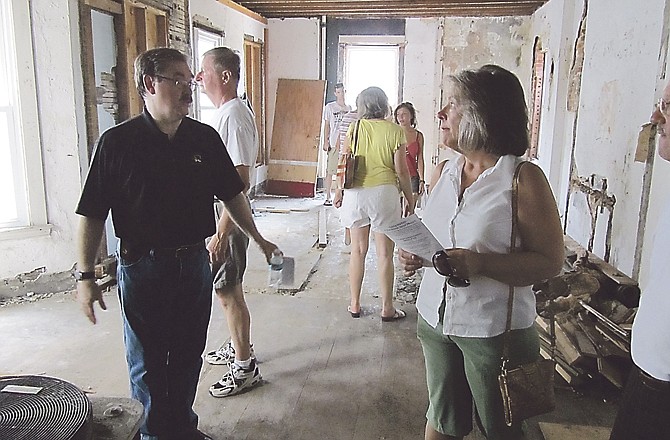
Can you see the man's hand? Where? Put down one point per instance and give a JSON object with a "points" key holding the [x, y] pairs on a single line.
{"points": [[326, 147], [88, 292], [218, 248], [268, 248]]}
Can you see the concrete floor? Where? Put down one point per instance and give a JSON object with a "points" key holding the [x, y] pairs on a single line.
{"points": [[326, 375]]}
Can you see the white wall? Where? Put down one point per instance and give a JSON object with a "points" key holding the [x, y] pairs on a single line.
{"points": [[422, 79], [62, 132], [293, 52]]}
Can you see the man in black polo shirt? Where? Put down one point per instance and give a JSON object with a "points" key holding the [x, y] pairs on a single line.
{"points": [[158, 173]]}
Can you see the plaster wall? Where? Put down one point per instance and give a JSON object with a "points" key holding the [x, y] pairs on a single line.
{"points": [[421, 85], [61, 125], [616, 98], [235, 24], [293, 49]]}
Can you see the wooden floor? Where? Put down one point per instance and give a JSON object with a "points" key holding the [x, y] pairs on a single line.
{"points": [[326, 375]]}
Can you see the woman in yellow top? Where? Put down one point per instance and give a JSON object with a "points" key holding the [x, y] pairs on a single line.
{"points": [[373, 202]]}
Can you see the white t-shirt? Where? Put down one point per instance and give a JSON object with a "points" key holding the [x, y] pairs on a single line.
{"points": [[235, 123], [481, 222], [650, 346], [333, 113]]}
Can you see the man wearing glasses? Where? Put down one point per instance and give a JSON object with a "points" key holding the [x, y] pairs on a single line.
{"points": [[645, 407], [158, 173]]}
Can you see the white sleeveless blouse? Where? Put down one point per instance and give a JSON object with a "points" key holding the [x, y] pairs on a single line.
{"points": [[481, 222]]}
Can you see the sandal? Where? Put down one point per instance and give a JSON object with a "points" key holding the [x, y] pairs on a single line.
{"points": [[398, 315], [354, 314]]}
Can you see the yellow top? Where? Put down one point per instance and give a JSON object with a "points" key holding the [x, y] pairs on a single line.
{"points": [[378, 140]]}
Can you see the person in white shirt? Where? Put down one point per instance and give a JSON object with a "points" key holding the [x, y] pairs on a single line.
{"points": [[644, 412], [332, 116], [235, 123], [469, 211]]}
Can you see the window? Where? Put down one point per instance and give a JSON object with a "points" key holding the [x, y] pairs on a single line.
{"points": [[203, 41], [22, 201]]}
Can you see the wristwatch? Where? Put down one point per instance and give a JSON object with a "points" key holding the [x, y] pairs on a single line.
{"points": [[81, 276]]}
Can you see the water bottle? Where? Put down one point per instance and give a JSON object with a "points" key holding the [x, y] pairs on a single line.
{"points": [[276, 266]]}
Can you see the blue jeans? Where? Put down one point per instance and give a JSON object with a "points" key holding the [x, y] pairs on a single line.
{"points": [[165, 303]]}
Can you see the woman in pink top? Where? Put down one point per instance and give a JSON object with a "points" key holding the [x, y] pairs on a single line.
{"points": [[405, 116]]}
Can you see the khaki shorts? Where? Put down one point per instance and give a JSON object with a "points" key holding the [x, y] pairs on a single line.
{"points": [[231, 272], [331, 164]]}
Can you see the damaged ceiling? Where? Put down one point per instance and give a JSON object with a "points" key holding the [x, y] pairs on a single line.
{"points": [[391, 8]]}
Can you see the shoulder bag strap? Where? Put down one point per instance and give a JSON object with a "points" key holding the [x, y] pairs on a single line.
{"points": [[356, 130], [512, 249]]}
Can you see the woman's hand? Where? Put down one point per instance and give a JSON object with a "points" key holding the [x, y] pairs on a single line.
{"points": [[464, 262], [409, 262], [337, 200]]}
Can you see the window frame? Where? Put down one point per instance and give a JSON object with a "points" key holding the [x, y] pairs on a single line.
{"points": [[217, 38], [30, 191]]}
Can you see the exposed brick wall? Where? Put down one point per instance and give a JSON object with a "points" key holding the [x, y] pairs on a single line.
{"points": [[179, 30]]}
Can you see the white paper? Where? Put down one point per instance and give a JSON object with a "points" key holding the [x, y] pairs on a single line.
{"points": [[412, 235], [21, 389]]}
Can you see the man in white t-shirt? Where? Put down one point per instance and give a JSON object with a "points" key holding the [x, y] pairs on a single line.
{"points": [[235, 123], [332, 116], [644, 413]]}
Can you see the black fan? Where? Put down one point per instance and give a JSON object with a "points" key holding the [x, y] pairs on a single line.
{"points": [[58, 411]]}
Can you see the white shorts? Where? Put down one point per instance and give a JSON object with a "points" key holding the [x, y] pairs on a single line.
{"points": [[378, 207]]}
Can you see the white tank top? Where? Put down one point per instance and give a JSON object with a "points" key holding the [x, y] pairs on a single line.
{"points": [[481, 222]]}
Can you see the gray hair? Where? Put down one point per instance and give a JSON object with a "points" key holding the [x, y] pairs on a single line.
{"points": [[225, 59], [494, 116], [372, 103], [155, 62]]}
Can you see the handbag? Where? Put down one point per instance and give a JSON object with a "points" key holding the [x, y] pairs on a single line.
{"points": [[347, 163], [528, 389]]}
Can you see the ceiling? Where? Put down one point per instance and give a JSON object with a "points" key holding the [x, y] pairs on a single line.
{"points": [[391, 8]]}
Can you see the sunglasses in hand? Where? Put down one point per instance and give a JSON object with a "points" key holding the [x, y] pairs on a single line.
{"points": [[442, 266]]}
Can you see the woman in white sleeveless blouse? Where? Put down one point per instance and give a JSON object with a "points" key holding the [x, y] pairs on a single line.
{"points": [[469, 211]]}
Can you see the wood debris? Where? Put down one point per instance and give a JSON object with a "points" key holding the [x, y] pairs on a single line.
{"points": [[593, 306]]}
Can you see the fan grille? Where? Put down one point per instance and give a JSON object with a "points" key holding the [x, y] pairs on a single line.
{"points": [[60, 411]]}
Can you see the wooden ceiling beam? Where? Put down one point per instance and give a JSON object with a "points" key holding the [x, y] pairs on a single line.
{"points": [[393, 8]]}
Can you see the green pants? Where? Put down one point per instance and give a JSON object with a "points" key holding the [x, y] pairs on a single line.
{"points": [[460, 371]]}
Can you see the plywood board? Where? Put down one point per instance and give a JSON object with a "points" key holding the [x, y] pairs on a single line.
{"points": [[296, 137]]}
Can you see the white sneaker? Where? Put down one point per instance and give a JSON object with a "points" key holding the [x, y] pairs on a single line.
{"points": [[225, 355], [236, 380]]}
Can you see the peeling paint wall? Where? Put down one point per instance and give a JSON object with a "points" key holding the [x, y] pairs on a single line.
{"points": [[472, 42], [611, 101]]}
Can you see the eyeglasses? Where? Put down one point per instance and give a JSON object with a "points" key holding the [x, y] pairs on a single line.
{"points": [[664, 106], [191, 84], [442, 266]]}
